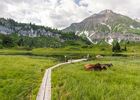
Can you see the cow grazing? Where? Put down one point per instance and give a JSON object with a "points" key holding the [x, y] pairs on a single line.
{"points": [[97, 66], [106, 65], [89, 66], [110, 65], [93, 67]]}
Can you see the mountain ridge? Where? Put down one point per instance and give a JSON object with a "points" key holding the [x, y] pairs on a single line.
{"points": [[106, 16], [104, 24], [24, 34], [8, 26]]}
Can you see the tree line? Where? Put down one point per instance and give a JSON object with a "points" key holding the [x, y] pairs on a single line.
{"points": [[16, 40], [117, 48]]}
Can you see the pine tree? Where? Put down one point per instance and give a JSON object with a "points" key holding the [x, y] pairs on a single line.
{"points": [[113, 48], [116, 47], [125, 49]]}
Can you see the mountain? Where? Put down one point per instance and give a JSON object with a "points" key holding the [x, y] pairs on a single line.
{"points": [[13, 34], [107, 25], [138, 20], [8, 26]]}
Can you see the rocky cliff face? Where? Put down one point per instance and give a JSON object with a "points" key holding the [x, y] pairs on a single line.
{"points": [[109, 37], [8, 26]]}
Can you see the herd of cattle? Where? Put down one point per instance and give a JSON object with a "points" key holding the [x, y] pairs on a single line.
{"points": [[97, 67]]}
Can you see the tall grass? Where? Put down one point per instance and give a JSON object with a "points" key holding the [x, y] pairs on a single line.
{"points": [[121, 82], [20, 76]]}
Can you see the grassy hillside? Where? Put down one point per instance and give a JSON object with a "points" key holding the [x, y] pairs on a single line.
{"points": [[121, 82], [20, 76]]}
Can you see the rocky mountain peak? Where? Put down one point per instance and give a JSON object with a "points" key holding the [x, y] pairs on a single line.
{"points": [[105, 24], [104, 21], [107, 11]]}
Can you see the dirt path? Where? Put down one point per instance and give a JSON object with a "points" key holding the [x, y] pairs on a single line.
{"points": [[45, 88]]}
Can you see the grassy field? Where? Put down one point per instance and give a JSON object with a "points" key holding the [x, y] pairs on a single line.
{"points": [[74, 51], [106, 50], [15, 51], [120, 82], [71, 51], [21, 72], [20, 76]]}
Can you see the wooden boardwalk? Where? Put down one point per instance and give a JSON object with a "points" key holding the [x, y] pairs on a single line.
{"points": [[45, 88]]}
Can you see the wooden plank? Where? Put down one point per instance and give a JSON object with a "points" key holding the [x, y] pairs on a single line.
{"points": [[45, 88]]}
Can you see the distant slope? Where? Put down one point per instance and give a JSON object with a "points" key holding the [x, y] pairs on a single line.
{"points": [[8, 26], [31, 35], [102, 26], [105, 21]]}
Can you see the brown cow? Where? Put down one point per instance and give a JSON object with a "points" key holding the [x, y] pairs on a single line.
{"points": [[89, 66], [109, 65], [93, 67], [97, 66], [106, 65]]}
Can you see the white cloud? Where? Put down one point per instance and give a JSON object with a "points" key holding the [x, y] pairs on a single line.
{"points": [[61, 13]]}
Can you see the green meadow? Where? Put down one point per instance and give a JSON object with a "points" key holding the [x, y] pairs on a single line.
{"points": [[80, 51], [22, 70], [21, 76], [74, 51], [120, 82]]}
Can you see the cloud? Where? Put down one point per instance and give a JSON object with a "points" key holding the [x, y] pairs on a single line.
{"points": [[61, 13]]}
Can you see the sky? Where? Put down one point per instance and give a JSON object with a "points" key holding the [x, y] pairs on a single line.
{"points": [[62, 13]]}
